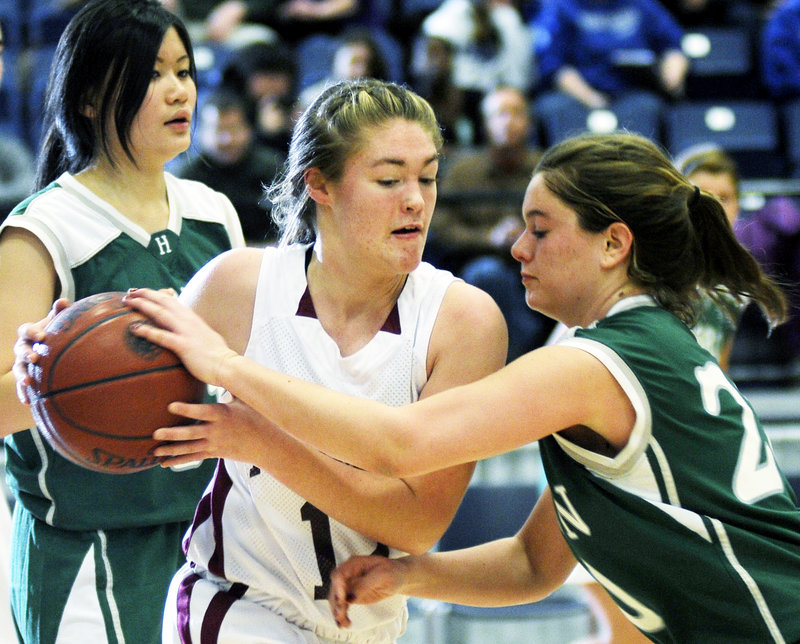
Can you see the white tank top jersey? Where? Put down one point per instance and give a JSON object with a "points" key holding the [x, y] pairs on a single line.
{"points": [[253, 531]]}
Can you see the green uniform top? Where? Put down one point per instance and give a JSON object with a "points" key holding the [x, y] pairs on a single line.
{"points": [[692, 527], [96, 249]]}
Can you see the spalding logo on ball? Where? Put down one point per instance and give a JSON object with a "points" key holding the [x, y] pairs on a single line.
{"points": [[98, 391]]}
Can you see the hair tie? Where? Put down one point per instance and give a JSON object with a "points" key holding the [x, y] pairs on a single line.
{"points": [[695, 197]]}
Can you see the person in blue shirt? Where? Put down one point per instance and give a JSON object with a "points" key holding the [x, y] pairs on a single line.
{"points": [[780, 51], [621, 55]]}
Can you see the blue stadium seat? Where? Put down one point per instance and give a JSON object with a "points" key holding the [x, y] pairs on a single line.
{"points": [[13, 20], [210, 59], [41, 58], [417, 9], [11, 99], [46, 22], [721, 64], [315, 56], [561, 116], [790, 115], [746, 129]]}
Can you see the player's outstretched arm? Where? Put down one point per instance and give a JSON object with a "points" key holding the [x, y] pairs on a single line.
{"points": [[468, 341], [524, 568], [538, 394]]}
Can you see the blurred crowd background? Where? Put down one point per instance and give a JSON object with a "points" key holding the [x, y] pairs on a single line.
{"points": [[506, 78]]}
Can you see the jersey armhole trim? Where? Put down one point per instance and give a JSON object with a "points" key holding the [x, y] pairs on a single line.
{"points": [[642, 427]]}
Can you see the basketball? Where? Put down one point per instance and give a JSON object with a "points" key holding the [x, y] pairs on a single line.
{"points": [[98, 391]]}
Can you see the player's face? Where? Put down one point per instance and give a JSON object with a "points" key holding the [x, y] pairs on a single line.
{"points": [[161, 129], [559, 261], [383, 203], [722, 186]]}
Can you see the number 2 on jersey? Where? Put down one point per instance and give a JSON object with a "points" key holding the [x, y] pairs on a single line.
{"points": [[756, 475]]}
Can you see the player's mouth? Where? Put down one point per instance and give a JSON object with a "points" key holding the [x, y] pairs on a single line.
{"points": [[180, 122], [407, 230]]}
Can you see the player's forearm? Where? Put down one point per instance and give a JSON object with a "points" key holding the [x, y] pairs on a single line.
{"points": [[304, 410], [491, 574], [409, 516], [14, 416]]}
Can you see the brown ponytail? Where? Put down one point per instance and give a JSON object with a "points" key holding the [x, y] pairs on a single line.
{"points": [[682, 240]]}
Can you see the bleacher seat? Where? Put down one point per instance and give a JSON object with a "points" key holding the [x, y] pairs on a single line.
{"points": [[41, 58], [12, 99], [561, 117], [721, 64], [416, 10], [210, 59], [47, 21], [492, 511], [315, 56], [13, 20], [747, 130], [790, 115]]}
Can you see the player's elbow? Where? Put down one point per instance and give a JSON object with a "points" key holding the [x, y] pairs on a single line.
{"points": [[395, 463]]}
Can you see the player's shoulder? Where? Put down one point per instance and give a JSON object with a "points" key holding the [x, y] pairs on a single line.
{"points": [[231, 267], [469, 320], [470, 306], [226, 283]]}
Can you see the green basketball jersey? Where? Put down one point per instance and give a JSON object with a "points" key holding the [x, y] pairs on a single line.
{"points": [[96, 249], [692, 527]]}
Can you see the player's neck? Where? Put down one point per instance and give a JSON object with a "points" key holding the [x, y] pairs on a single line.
{"points": [[351, 313], [138, 194]]}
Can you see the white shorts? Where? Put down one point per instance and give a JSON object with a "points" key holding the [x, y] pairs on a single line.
{"points": [[244, 622]]}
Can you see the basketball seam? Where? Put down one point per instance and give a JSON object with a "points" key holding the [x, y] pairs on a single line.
{"points": [[102, 381]]}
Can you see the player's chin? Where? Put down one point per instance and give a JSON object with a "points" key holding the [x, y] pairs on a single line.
{"points": [[409, 257]]}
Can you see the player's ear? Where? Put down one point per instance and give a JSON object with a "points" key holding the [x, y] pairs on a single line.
{"points": [[317, 185], [89, 102], [88, 109], [617, 244]]}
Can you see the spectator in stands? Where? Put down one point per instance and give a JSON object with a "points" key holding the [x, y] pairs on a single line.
{"points": [[714, 171], [772, 234], [432, 78], [17, 165], [267, 73], [623, 55], [780, 51], [473, 234], [356, 56], [234, 162], [292, 19], [492, 46]]}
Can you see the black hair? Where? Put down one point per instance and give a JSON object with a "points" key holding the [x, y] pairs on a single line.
{"points": [[105, 59]]}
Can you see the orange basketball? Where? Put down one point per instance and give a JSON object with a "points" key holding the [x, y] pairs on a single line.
{"points": [[99, 391]]}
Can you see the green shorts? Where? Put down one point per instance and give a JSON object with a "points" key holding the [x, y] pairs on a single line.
{"points": [[102, 586]]}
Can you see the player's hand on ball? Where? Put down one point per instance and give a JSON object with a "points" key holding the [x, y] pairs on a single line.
{"points": [[201, 349], [363, 580], [224, 430], [27, 335]]}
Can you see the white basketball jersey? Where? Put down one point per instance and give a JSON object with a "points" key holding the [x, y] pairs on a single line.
{"points": [[253, 530]]}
